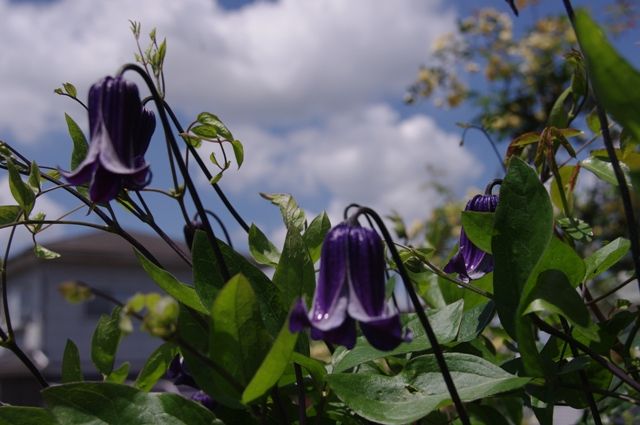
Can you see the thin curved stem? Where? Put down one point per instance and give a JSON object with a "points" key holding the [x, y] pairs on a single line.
{"points": [[422, 316], [468, 127], [207, 174], [615, 370], [611, 291], [160, 104]]}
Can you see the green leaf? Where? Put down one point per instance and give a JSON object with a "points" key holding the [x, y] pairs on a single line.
{"points": [[71, 370], [239, 340], [419, 389], [20, 191], [553, 293], [207, 118], [523, 228], [18, 415], [105, 340], [273, 365], [475, 320], [206, 131], [45, 253], [315, 368], [183, 293], [9, 214], [196, 331], [261, 248], [577, 229], [215, 179], [70, 89], [612, 77], [444, 321], [314, 235], [208, 280], [238, 152], [34, 177], [294, 276], [156, 366], [292, 215], [559, 117], [478, 226], [116, 404], [605, 257], [80, 145], [119, 375], [604, 170], [522, 231]]}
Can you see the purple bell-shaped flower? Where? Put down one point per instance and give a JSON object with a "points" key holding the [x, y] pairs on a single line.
{"points": [[470, 262], [120, 130], [350, 288]]}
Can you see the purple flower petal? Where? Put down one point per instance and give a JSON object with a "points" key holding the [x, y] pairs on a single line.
{"points": [[345, 334], [470, 262], [329, 309], [366, 270], [384, 334], [120, 130]]}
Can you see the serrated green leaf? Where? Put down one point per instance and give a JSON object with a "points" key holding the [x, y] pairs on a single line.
{"points": [[80, 145], [182, 292], [261, 248], [419, 389], [105, 340], [292, 215], [71, 370], [155, 366]]}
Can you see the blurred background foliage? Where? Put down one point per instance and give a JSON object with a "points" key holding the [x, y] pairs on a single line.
{"points": [[511, 74]]}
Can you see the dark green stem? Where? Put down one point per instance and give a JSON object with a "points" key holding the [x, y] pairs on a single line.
{"points": [[160, 104]]}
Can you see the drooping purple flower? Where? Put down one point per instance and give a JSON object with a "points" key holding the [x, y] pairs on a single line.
{"points": [[120, 132], [470, 262], [350, 288]]}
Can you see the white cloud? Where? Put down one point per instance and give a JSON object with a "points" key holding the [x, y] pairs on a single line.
{"points": [[274, 63], [370, 156]]}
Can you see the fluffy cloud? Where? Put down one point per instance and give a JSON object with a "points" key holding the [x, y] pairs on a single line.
{"points": [[270, 63], [371, 156]]}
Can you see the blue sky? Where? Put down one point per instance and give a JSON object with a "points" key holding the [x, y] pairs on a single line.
{"points": [[313, 89]]}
